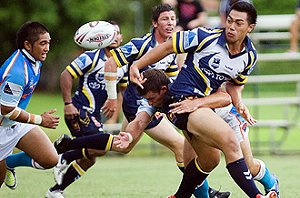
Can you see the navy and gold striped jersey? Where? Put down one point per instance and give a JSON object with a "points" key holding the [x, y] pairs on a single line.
{"points": [[131, 52], [91, 93], [209, 63]]}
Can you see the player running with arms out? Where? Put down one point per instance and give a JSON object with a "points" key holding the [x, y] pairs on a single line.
{"points": [[214, 56], [20, 74], [159, 129], [82, 111]]}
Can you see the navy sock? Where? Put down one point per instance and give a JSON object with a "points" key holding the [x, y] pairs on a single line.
{"points": [[72, 155], [193, 176], [242, 177], [97, 141]]}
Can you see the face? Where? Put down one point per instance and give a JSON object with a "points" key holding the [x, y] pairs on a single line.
{"points": [[155, 98], [118, 40], [237, 26], [40, 48], [165, 24]]}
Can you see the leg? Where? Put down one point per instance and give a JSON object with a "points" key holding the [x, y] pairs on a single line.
{"points": [[2, 171], [206, 127], [166, 134], [46, 154], [259, 169]]}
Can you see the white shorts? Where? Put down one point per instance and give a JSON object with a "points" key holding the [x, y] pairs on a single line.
{"points": [[10, 136], [235, 121]]}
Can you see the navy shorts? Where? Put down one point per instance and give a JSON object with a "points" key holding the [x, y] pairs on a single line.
{"points": [[85, 124]]}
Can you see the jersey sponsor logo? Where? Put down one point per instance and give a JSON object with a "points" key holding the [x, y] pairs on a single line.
{"points": [[216, 63], [12, 89], [212, 75], [127, 49], [94, 85]]}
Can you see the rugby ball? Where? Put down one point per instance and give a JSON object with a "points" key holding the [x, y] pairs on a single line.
{"points": [[95, 35]]}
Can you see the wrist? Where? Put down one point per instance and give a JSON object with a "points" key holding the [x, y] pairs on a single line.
{"points": [[68, 103]]}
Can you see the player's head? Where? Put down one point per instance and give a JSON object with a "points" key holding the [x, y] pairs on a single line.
{"points": [[35, 38], [241, 20], [155, 87], [119, 37], [163, 20]]}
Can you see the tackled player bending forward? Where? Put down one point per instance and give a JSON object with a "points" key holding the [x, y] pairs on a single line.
{"points": [[214, 56]]}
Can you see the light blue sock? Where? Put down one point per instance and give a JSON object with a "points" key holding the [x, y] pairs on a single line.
{"points": [[268, 180], [18, 159], [202, 191]]}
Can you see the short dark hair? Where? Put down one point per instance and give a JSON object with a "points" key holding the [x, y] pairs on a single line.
{"points": [[159, 9], [156, 79], [30, 31], [243, 6]]}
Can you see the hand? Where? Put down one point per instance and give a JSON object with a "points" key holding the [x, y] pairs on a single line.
{"points": [[49, 120], [244, 112], [122, 140], [70, 111], [185, 106], [136, 77], [109, 107]]}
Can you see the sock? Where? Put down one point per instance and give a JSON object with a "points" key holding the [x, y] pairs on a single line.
{"points": [[18, 159], [73, 173], [201, 190], [264, 176], [180, 165], [72, 155], [97, 141], [242, 177], [193, 176]]}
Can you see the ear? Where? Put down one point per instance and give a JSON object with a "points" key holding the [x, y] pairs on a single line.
{"points": [[154, 24], [251, 28], [164, 89], [27, 46]]}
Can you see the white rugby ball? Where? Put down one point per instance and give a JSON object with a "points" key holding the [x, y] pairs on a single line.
{"points": [[95, 35]]}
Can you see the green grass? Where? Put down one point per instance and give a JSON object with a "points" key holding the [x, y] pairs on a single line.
{"points": [[147, 177]]}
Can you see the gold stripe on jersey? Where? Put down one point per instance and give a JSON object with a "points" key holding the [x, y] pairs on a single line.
{"points": [[115, 56], [109, 143], [122, 84], [87, 95], [172, 74], [95, 60], [174, 42], [205, 79], [71, 71], [206, 40], [252, 60], [143, 47]]}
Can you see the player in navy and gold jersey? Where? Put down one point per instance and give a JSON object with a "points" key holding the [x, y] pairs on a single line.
{"points": [[213, 57], [163, 22], [83, 110]]}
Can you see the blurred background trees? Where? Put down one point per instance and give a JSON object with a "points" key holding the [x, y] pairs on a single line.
{"points": [[63, 17]]}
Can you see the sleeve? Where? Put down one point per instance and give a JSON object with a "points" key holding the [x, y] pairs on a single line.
{"points": [[150, 110], [242, 78], [12, 88], [82, 64], [131, 51], [122, 74], [172, 71], [193, 40]]}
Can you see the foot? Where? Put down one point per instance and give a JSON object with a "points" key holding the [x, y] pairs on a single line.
{"points": [[55, 194], [61, 144], [10, 178], [217, 194], [275, 188], [271, 194], [60, 169]]}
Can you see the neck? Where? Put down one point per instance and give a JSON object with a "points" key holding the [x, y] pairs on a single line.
{"points": [[235, 48], [106, 51], [159, 38]]}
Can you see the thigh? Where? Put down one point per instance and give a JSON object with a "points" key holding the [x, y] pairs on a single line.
{"points": [[38, 146], [208, 157]]}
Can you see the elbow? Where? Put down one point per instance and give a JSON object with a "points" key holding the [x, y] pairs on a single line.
{"points": [[227, 99]]}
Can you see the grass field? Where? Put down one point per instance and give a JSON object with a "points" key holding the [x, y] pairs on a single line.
{"points": [[149, 170], [146, 177]]}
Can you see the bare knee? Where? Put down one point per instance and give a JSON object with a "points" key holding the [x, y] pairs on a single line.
{"points": [[48, 162], [210, 163]]}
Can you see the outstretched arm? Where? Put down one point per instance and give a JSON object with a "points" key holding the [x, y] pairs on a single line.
{"points": [[153, 56], [215, 100]]}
